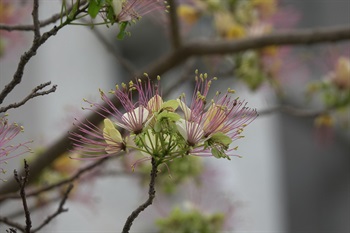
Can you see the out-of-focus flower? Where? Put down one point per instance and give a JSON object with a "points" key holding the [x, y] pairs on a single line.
{"points": [[8, 131], [11, 12], [266, 8], [227, 27], [188, 13], [191, 220], [171, 176], [129, 10], [124, 12], [340, 77]]}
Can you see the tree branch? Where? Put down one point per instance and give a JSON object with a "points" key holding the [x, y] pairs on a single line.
{"points": [[148, 202], [35, 92], [293, 111], [43, 23], [57, 184], [37, 42], [180, 55], [59, 210], [22, 181], [12, 224], [292, 37], [174, 24], [36, 22]]}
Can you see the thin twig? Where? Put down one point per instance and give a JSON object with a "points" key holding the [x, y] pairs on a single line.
{"points": [[57, 184], [36, 22], [12, 224], [174, 24], [148, 202], [59, 210], [22, 181], [42, 23], [293, 111], [35, 92], [11, 230], [291, 37]]}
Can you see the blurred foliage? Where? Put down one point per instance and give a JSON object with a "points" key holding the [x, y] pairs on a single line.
{"points": [[191, 221]]}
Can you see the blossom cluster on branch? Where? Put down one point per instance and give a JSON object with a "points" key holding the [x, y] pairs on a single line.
{"points": [[155, 128]]}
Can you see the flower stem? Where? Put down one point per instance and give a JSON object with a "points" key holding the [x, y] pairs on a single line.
{"points": [[148, 202]]}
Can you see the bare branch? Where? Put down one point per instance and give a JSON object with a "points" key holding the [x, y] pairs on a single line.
{"points": [[293, 111], [59, 210], [36, 22], [42, 23], [174, 25], [148, 202], [22, 181], [57, 184], [11, 230], [292, 37], [12, 224], [35, 92]]}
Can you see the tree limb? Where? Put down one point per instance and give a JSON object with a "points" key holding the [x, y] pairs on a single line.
{"points": [[174, 24], [148, 202], [43, 23], [35, 92]]}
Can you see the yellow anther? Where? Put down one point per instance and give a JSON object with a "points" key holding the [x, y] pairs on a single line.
{"points": [[231, 91]]}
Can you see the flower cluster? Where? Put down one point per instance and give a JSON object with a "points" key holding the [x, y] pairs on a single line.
{"points": [[8, 132], [123, 12], [164, 130]]}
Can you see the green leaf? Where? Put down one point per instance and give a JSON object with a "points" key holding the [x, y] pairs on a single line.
{"points": [[94, 8], [122, 30], [222, 139], [219, 153], [171, 116], [157, 127], [170, 105]]}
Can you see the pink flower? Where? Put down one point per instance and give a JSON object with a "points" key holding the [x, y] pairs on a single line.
{"points": [[92, 142], [7, 133], [128, 10], [11, 12], [216, 126]]}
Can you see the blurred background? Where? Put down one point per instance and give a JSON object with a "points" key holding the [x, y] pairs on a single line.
{"points": [[288, 180]]}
